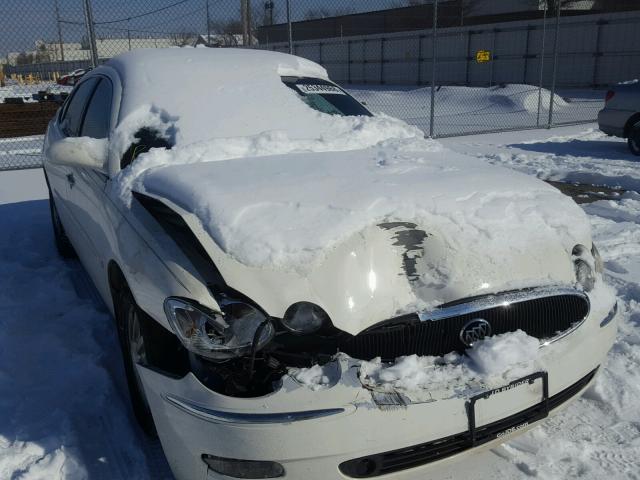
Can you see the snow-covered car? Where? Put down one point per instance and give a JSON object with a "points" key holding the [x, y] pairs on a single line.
{"points": [[620, 116], [305, 290]]}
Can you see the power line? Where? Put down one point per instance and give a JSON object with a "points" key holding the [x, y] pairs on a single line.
{"points": [[144, 14]]}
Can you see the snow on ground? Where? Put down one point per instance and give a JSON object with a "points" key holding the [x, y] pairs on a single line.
{"points": [[63, 399], [570, 154], [461, 110], [63, 396]]}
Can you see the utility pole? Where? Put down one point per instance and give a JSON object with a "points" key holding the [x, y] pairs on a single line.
{"points": [[268, 12], [59, 31], [88, 20], [208, 25], [289, 30]]}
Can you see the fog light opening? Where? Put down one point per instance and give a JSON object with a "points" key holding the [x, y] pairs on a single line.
{"points": [[235, 468]]}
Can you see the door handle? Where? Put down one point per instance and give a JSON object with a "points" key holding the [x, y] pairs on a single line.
{"points": [[71, 179]]}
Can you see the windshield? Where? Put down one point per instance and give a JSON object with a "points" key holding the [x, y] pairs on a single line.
{"points": [[325, 96]]}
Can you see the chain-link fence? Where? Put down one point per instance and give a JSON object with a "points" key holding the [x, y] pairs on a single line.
{"points": [[450, 67]]}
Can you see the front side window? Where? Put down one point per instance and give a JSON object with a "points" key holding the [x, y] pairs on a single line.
{"points": [[325, 97], [72, 116], [98, 116]]}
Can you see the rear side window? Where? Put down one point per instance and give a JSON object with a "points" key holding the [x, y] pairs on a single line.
{"points": [[72, 118], [98, 115]]}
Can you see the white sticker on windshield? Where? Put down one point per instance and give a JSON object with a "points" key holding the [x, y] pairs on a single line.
{"points": [[319, 89]]}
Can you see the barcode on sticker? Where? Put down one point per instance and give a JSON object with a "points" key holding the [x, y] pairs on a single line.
{"points": [[320, 89]]}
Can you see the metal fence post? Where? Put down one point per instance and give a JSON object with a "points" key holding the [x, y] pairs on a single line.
{"points": [[555, 63], [59, 31], [544, 36], [88, 20], [434, 29], [289, 28], [493, 56]]}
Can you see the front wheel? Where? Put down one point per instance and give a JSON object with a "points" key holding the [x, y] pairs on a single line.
{"points": [[131, 331], [634, 139]]}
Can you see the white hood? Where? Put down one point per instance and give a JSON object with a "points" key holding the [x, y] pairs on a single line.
{"points": [[369, 234]]}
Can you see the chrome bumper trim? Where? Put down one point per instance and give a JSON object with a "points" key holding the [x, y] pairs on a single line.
{"points": [[505, 299], [218, 416]]}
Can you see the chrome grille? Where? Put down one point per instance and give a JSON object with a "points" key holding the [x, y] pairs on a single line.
{"points": [[541, 313]]}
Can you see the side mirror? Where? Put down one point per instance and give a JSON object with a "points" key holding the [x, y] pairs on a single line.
{"points": [[80, 152]]}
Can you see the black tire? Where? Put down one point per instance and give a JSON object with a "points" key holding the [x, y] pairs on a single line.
{"points": [[130, 321], [634, 139], [63, 244]]}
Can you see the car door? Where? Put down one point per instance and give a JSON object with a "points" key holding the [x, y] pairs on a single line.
{"points": [[87, 198], [62, 178]]}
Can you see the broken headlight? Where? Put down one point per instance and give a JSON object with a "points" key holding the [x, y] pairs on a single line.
{"points": [[219, 335]]}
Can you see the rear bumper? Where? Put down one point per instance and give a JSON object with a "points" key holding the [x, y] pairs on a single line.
{"points": [[612, 121], [313, 447]]}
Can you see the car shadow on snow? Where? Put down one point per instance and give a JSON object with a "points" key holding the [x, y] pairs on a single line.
{"points": [[63, 396], [599, 149]]}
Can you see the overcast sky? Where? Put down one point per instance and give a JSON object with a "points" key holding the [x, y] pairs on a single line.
{"points": [[22, 22]]}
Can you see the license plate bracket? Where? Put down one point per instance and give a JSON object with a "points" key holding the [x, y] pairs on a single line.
{"points": [[539, 414]]}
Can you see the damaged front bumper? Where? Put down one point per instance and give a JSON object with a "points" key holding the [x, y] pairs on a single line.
{"points": [[346, 430]]}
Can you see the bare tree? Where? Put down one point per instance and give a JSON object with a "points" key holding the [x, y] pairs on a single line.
{"points": [[227, 31], [25, 58], [183, 38], [42, 53]]}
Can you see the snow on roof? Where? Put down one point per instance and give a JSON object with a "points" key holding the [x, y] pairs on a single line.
{"points": [[213, 93]]}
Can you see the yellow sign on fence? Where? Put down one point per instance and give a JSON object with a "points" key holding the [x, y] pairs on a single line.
{"points": [[483, 56]]}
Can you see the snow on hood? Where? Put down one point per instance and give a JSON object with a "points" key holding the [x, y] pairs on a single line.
{"points": [[288, 211]]}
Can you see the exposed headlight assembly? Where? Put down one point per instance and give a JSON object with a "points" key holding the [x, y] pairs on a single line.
{"points": [[234, 332], [586, 265]]}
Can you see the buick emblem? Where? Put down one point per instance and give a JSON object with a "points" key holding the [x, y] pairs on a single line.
{"points": [[475, 330]]}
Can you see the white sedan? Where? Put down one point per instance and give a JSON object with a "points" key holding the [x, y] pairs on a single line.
{"points": [[305, 290]]}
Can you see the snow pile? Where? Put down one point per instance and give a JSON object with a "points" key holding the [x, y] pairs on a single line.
{"points": [[331, 133], [491, 361], [456, 100]]}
